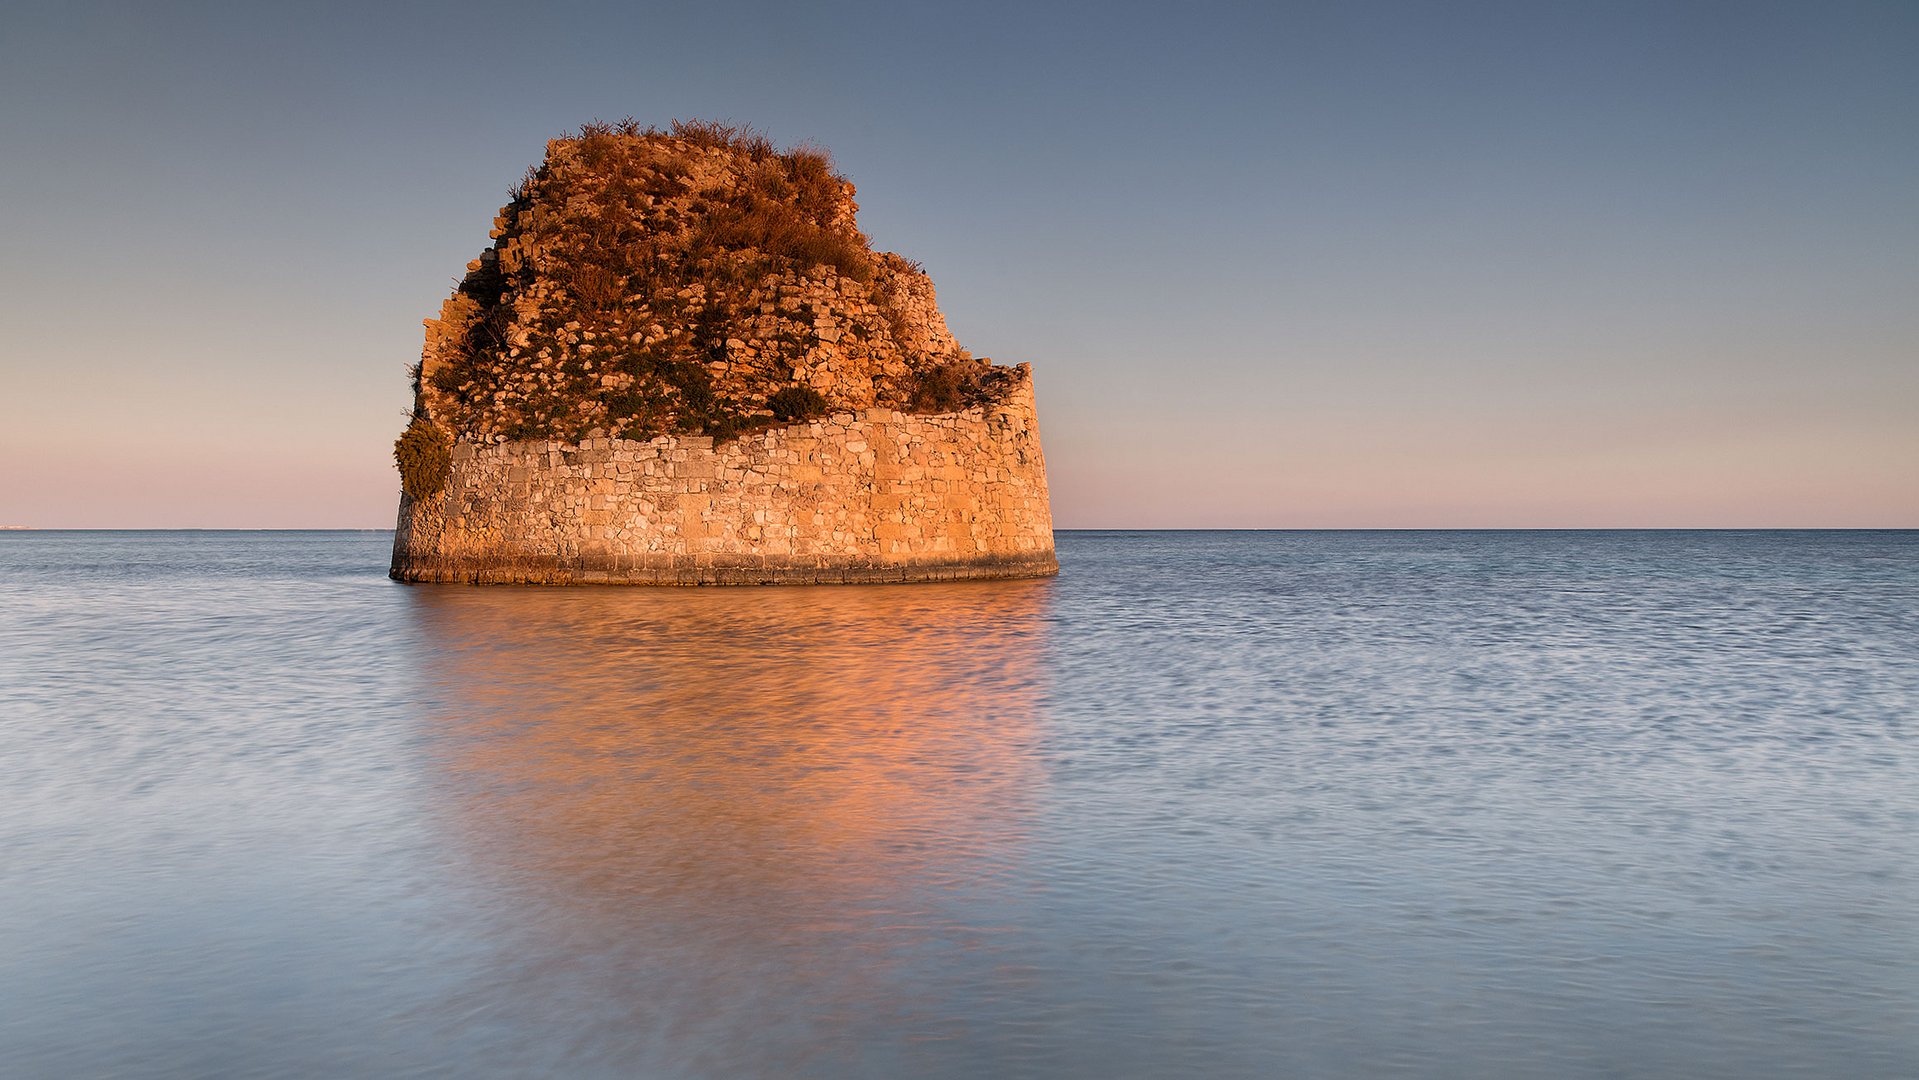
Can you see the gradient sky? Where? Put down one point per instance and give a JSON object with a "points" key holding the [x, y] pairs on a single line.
{"points": [[1328, 265]]}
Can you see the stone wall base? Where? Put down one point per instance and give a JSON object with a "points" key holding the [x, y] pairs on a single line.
{"points": [[680, 570]]}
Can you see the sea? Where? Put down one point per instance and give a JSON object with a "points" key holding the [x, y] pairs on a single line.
{"points": [[1208, 804]]}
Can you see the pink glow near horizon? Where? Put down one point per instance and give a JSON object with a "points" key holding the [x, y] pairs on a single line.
{"points": [[1455, 267]]}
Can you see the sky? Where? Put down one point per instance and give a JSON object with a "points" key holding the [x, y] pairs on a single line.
{"points": [[1334, 265]]}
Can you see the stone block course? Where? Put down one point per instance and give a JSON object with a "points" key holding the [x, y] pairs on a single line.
{"points": [[960, 495]]}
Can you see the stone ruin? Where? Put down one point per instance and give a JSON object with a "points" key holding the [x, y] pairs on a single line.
{"points": [[680, 362]]}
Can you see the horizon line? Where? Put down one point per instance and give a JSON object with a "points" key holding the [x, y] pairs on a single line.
{"points": [[16, 529]]}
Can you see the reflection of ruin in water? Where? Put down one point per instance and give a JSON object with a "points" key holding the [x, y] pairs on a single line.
{"points": [[700, 813]]}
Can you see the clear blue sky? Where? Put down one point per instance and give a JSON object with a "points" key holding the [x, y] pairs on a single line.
{"points": [[1339, 264]]}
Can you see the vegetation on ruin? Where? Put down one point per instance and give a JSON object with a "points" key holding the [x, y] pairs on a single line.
{"points": [[795, 403], [695, 280], [424, 455]]}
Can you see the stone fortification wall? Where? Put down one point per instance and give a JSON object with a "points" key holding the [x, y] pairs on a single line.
{"points": [[877, 495]]}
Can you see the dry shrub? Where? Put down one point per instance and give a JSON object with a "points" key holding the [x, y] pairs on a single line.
{"points": [[948, 386], [794, 403], [595, 288], [425, 456], [783, 211]]}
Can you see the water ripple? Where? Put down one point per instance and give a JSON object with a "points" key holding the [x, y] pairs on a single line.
{"points": [[1315, 804]]}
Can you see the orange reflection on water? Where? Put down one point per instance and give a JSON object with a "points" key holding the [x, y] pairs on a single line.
{"points": [[710, 810]]}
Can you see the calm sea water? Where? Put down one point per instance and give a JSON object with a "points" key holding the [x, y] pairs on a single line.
{"points": [[1209, 804]]}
